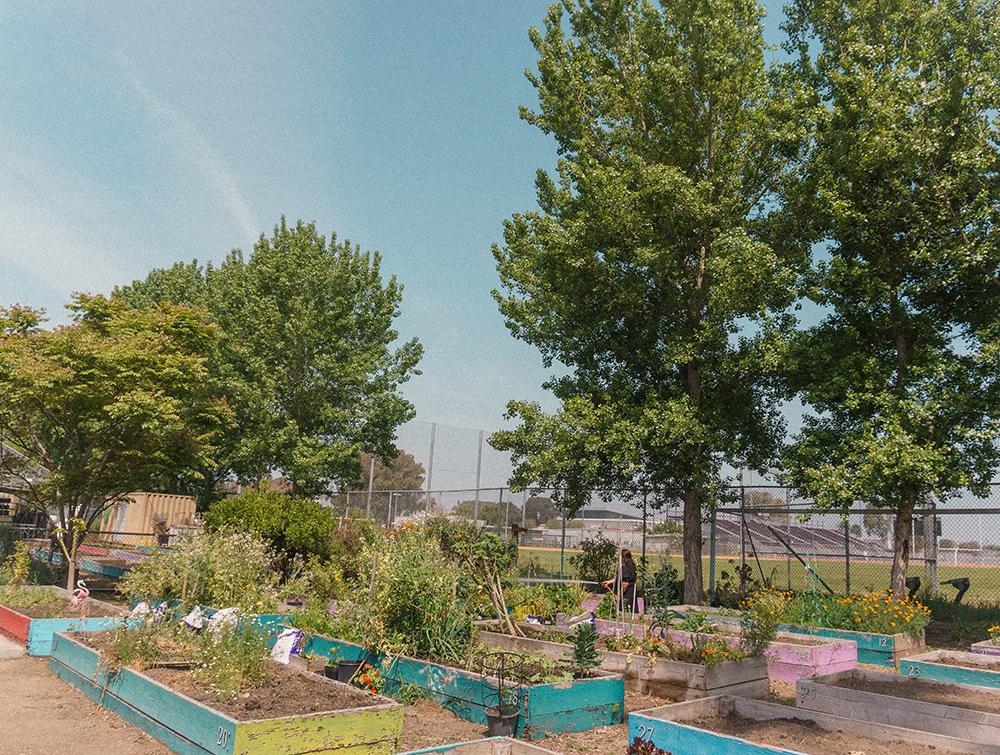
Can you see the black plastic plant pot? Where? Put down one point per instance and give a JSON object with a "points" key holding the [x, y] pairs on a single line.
{"points": [[347, 669], [501, 724], [331, 671]]}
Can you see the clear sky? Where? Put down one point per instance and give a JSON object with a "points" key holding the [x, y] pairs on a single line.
{"points": [[136, 134]]}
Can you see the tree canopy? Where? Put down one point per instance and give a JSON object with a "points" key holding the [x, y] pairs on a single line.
{"points": [[112, 403], [648, 253], [309, 358], [900, 194]]}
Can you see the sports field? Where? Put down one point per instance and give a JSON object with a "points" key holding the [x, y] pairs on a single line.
{"points": [[790, 574]]}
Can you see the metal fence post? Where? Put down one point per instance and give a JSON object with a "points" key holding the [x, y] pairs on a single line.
{"points": [[847, 554], [430, 466], [711, 558], [371, 483], [479, 471], [930, 551], [743, 538]]}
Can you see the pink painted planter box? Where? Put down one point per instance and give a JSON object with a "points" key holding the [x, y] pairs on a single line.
{"points": [[986, 647], [789, 658]]}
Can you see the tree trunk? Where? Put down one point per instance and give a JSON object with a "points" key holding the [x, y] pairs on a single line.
{"points": [[69, 553], [902, 536], [693, 587]]}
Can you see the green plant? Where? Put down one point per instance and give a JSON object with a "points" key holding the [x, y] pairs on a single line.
{"points": [[759, 621], [882, 613], [584, 654], [408, 694], [606, 609], [231, 660], [134, 647], [218, 569], [40, 603], [698, 623], [17, 567], [596, 561], [665, 587]]}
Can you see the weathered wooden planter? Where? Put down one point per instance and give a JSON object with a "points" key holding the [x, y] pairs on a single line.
{"points": [[822, 695], [986, 647], [876, 649], [578, 705], [939, 666], [789, 658], [37, 634], [189, 727], [656, 676], [101, 565], [668, 728], [491, 746]]}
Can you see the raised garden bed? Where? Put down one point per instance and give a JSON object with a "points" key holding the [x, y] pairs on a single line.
{"points": [[577, 705], [966, 712], [986, 647], [789, 658], [491, 746], [661, 677], [35, 626], [873, 648], [737, 726], [954, 666], [354, 721]]}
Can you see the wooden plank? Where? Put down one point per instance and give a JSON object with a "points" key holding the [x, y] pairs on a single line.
{"points": [[378, 729], [822, 695], [668, 728], [14, 623], [935, 665], [42, 631], [490, 746], [986, 647]]}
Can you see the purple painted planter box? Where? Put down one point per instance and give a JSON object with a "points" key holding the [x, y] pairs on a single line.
{"points": [[789, 658], [986, 647]]}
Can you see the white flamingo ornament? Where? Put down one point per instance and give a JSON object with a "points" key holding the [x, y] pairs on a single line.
{"points": [[80, 595]]}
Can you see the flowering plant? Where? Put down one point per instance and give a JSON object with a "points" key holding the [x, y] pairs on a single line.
{"points": [[369, 678], [882, 613], [994, 634]]}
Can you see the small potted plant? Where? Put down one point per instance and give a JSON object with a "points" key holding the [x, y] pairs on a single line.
{"points": [[502, 720]]}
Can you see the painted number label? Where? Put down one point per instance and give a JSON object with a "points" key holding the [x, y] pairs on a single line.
{"points": [[223, 739], [645, 732], [913, 671]]}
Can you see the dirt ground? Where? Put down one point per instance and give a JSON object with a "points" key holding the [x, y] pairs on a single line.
{"points": [[41, 715]]}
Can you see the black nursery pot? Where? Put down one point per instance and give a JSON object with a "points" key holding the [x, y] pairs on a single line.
{"points": [[346, 670], [501, 724]]}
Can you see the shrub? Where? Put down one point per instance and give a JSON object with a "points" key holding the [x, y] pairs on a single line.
{"points": [[881, 613], [217, 569], [665, 588], [584, 655], [759, 621], [231, 661], [291, 526], [597, 560]]}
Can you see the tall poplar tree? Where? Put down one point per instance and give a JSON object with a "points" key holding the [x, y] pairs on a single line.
{"points": [[644, 261], [901, 195]]}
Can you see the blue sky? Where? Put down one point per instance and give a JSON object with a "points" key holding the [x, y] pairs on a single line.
{"points": [[136, 134]]}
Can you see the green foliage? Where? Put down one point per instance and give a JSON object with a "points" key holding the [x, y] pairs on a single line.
{"points": [[698, 623], [665, 589], [899, 190], [606, 609], [408, 694], [543, 600], [117, 401], [405, 600], [43, 604], [584, 655], [16, 568], [139, 647], [648, 254], [882, 613], [596, 561], [759, 621], [291, 526], [231, 661], [216, 569], [309, 360]]}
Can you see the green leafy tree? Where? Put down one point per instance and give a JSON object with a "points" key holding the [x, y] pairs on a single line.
{"points": [[402, 473], [308, 358], [291, 526], [103, 407], [899, 195], [647, 255]]}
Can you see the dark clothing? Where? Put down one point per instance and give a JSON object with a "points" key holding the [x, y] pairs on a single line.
{"points": [[628, 577]]}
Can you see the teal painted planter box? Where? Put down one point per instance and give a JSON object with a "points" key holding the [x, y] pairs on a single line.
{"points": [[91, 565], [491, 746], [189, 727], [669, 728], [37, 634], [579, 705], [939, 666]]}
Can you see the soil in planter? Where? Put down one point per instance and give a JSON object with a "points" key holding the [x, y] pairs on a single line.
{"points": [[953, 661], [807, 737], [56, 606], [926, 691], [287, 693]]}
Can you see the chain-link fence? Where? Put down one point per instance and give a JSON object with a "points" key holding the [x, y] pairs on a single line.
{"points": [[763, 533]]}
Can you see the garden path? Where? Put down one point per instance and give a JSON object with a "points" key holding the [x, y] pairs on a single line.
{"points": [[41, 715]]}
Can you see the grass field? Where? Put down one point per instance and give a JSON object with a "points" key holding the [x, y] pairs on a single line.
{"points": [[790, 574]]}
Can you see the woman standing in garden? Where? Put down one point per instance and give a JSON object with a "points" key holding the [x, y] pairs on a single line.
{"points": [[625, 582]]}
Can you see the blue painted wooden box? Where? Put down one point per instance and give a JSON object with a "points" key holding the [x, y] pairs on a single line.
{"points": [[939, 665], [671, 728], [37, 634], [578, 705], [190, 727], [490, 746]]}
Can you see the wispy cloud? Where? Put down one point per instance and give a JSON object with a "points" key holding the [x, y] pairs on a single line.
{"points": [[190, 144]]}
